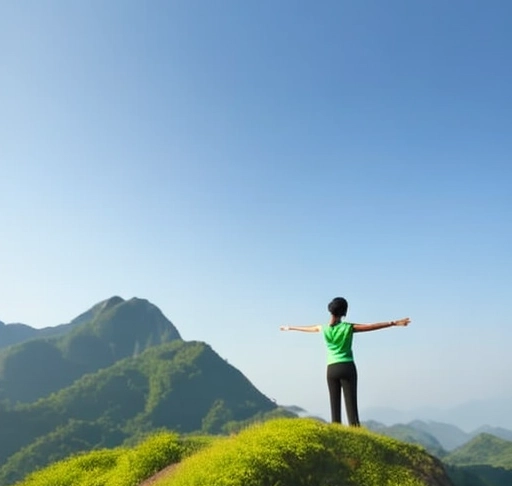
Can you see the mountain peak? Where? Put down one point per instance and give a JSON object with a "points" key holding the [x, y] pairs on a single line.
{"points": [[111, 302], [97, 309], [109, 331]]}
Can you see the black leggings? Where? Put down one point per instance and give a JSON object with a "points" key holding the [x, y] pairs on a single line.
{"points": [[343, 376]]}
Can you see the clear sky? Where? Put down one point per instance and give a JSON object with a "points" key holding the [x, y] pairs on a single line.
{"points": [[240, 163]]}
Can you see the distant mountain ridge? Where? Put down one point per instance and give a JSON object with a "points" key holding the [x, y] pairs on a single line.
{"points": [[15, 333], [477, 459], [469, 416], [437, 437]]}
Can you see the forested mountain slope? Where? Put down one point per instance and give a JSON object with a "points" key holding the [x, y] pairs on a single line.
{"points": [[109, 331], [181, 386]]}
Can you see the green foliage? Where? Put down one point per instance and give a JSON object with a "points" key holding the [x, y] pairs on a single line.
{"points": [[75, 436], [484, 449], [145, 460], [234, 426], [117, 467], [172, 386], [33, 369], [306, 452], [217, 416], [92, 469], [479, 475]]}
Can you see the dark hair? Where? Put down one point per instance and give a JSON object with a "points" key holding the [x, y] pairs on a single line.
{"points": [[338, 307]]}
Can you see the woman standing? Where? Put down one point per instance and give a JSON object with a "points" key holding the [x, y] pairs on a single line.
{"points": [[341, 369]]}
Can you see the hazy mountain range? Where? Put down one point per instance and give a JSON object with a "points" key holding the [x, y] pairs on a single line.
{"points": [[436, 436], [469, 416]]}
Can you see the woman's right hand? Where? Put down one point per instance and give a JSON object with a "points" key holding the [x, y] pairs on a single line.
{"points": [[402, 322]]}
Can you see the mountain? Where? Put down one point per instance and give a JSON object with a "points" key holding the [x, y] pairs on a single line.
{"points": [[106, 333], [468, 416], [486, 460], [484, 449], [496, 431], [15, 333], [449, 436], [409, 434], [120, 371], [182, 386], [11, 334], [432, 435]]}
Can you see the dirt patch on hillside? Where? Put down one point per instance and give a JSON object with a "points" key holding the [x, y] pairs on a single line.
{"points": [[164, 472]]}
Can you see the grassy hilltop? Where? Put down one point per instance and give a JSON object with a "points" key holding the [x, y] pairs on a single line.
{"points": [[281, 452]]}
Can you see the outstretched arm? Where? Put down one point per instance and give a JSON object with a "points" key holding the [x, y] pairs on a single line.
{"points": [[380, 325], [302, 328]]}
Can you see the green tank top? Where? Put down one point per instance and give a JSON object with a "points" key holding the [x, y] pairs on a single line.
{"points": [[339, 342]]}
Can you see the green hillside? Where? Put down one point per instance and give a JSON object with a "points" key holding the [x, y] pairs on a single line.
{"points": [[283, 452], [294, 452], [483, 450], [479, 475], [182, 386], [110, 331]]}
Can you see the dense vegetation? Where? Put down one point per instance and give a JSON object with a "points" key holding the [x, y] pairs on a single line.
{"points": [[182, 386], [483, 450], [121, 466], [479, 475], [284, 452]]}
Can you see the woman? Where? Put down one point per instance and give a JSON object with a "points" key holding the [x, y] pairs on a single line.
{"points": [[341, 370]]}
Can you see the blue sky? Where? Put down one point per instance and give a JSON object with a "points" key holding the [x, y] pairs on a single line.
{"points": [[239, 164]]}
